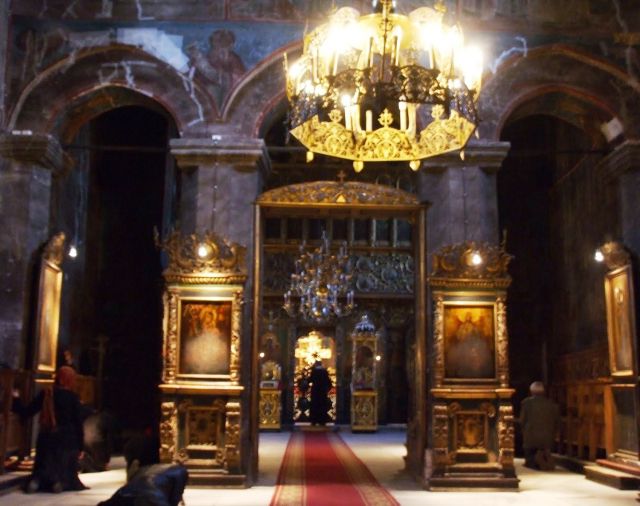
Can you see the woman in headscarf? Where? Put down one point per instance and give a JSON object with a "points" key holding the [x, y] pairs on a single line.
{"points": [[60, 434]]}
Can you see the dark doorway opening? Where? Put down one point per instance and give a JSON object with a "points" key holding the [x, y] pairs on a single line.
{"points": [[126, 200]]}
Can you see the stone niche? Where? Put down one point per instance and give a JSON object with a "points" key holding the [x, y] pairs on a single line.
{"points": [[472, 442], [201, 411]]}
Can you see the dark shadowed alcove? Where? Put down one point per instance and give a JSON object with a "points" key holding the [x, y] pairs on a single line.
{"points": [[129, 195]]}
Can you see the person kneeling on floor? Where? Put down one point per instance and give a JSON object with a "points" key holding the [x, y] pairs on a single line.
{"points": [[540, 421], [149, 483]]}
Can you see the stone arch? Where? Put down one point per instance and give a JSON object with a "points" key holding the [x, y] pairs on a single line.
{"points": [[80, 80], [260, 97], [596, 84]]}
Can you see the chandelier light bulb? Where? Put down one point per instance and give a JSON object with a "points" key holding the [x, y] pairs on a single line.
{"points": [[73, 251], [476, 259], [203, 251], [598, 256]]}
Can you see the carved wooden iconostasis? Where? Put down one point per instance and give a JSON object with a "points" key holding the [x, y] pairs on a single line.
{"points": [[201, 389], [472, 416], [383, 228]]}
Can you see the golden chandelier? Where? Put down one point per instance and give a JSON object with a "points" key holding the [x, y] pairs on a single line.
{"points": [[384, 87]]}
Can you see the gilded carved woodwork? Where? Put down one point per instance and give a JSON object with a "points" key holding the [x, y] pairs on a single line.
{"points": [[376, 273], [203, 259], [168, 431], [336, 193], [386, 143], [502, 339], [471, 427], [364, 411], [54, 249], [615, 255], [438, 340], [364, 381], [506, 435], [441, 435], [205, 426], [202, 323], [176, 298], [269, 409], [371, 273], [457, 265], [170, 336], [232, 436], [236, 326], [472, 414]]}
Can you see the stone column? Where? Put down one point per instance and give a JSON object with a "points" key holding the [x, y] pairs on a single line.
{"points": [[4, 41], [463, 194], [26, 168], [622, 168], [221, 179]]}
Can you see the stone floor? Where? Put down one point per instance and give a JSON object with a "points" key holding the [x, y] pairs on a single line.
{"points": [[382, 452]]}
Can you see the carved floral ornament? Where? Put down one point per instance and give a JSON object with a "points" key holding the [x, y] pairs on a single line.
{"points": [[615, 255], [203, 258], [347, 193], [54, 249], [471, 263]]}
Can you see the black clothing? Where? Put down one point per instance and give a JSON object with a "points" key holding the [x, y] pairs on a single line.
{"points": [[320, 402], [57, 449], [540, 421], [156, 485]]}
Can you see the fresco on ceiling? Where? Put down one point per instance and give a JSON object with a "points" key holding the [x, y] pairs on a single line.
{"points": [[218, 54]]}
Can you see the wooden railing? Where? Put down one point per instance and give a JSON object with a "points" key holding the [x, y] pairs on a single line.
{"points": [[14, 435], [582, 388]]}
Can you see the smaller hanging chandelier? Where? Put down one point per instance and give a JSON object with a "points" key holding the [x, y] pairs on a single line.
{"points": [[320, 279], [384, 87]]}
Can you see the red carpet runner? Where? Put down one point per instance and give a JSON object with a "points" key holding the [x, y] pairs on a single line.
{"points": [[319, 469]]}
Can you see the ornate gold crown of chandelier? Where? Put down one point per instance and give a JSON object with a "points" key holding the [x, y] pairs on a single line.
{"points": [[321, 277], [384, 87]]}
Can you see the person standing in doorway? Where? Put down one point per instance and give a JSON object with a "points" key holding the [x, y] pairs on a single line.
{"points": [[540, 421], [320, 386]]}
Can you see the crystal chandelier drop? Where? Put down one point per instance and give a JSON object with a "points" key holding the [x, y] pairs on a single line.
{"points": [[320, 278], [384, 87]]}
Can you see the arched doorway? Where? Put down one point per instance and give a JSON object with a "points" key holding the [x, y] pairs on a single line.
{"points": [[358, 213], [123, 187], [547, 188]]}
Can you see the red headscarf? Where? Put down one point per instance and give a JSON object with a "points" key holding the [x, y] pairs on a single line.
{"points": [[66, 378]]}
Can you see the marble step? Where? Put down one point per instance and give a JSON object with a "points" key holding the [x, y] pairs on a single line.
{"points": [[612, 477]]}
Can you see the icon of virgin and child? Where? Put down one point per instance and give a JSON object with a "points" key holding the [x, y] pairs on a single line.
{"points": [[205, 335], [469, 343]]}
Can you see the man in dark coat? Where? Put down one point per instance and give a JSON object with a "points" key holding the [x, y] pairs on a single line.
{"points": [[320, 386], [540, 421]]}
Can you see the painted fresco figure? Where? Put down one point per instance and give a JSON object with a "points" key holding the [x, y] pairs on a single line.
{"points": [[540, 421], [320, 386], [221, 66], [60, 438]]}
